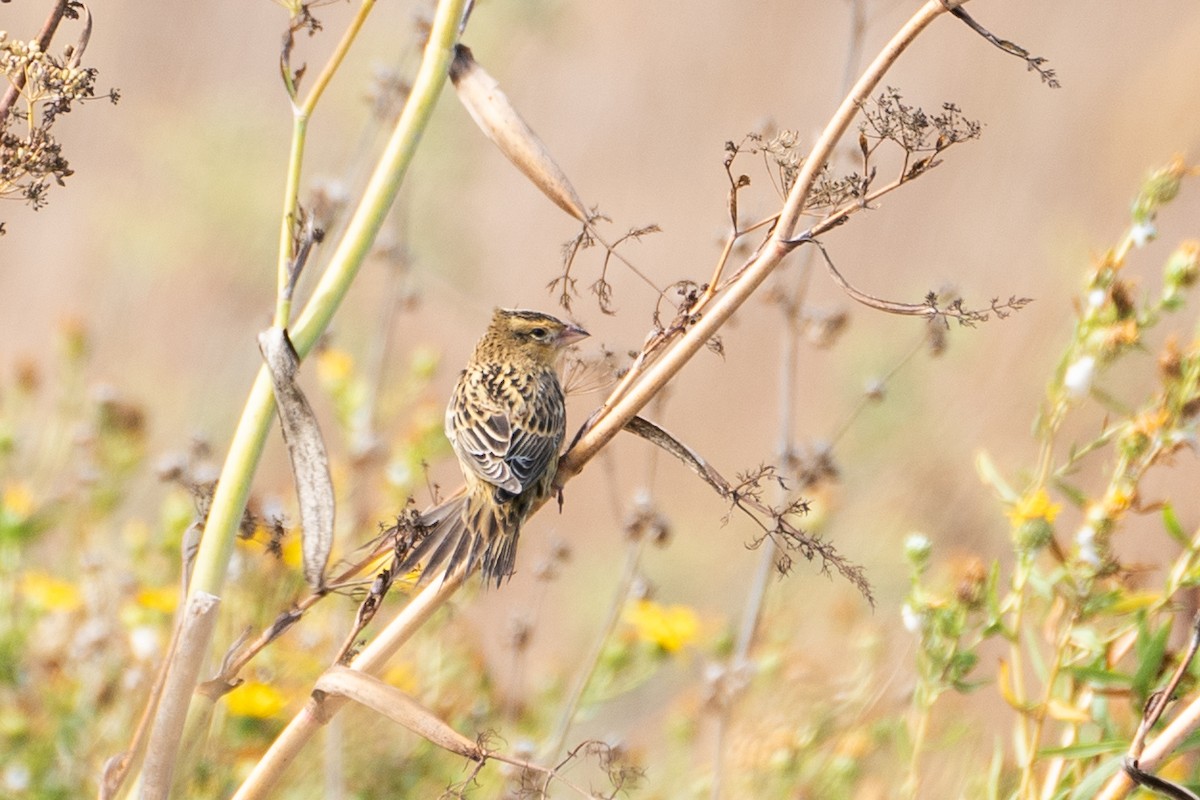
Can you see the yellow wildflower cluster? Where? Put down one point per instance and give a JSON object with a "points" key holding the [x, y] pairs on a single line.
{"points": [[17, 499], [255, 699], [1033, 519], [668, 627], [43, 590], [1034, 507]]}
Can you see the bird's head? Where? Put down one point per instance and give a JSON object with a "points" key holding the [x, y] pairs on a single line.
{"points": [[532, 333]]}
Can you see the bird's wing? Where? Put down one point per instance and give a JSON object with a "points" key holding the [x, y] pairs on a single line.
{"points": [[506, 452], [538, 435]]}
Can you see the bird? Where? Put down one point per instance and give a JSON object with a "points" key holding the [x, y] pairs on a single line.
{"points": [[505, 421]]}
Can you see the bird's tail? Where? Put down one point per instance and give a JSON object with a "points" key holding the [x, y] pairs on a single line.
{"points": [[464, 530]]}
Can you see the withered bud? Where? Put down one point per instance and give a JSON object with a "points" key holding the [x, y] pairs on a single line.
{"points": [[1170, 359]]}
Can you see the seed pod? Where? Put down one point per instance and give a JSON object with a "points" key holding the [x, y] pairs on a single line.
{"points": [[397, 706], [497, 118], [306, 448]]}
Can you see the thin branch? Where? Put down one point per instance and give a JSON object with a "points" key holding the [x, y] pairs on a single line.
{"points": [[370, 660], [745, 496], [1034, 63], [117, 768], [867, 398], [633, 557], [929, 308]]}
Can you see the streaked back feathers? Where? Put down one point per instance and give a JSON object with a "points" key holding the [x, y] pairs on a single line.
{"points": [[506, 421]]}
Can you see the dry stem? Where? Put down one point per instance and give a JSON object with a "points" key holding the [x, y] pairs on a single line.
{"points": [[614, 416]]}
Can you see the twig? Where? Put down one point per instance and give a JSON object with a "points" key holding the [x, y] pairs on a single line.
{"points": [[865, 399], [1144, 760], [745, 497], [291, 194], [117, 768], [1034, 63], [633, 557], [551, 773], [1160, 699]]}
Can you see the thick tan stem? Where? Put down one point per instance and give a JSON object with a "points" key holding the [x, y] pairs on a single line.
{"points": [[616, 416], [196, 627]]}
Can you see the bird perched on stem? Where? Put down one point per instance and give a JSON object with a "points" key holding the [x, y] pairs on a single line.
{"points": [[506, 421]]}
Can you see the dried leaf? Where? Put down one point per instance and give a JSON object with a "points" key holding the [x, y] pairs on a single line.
{"points": [[396, 706], [306, 449], [657, 436], [497, 118]]}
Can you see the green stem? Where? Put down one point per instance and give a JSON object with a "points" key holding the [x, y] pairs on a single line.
{"points": [[1034, 741], [912, 781], [232, 492], [216, 547], [291, 196], [233, 489], [1016, 671]]}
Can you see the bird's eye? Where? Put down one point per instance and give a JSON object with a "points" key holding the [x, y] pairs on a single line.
{"points": [[538, 333]]}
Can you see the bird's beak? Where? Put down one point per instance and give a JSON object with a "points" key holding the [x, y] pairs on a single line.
{"points": [[571, 334]]}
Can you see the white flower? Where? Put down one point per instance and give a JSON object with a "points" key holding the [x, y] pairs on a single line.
{"points": [[143, 642], [1086, 539], [912, 619], [1096, 298], [1078, 380], [16, 778], [1142, 234], [399, 473], [917, 547]]}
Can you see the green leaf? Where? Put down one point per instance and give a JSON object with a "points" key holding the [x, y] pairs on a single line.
{"points": [[1090, 786], [1150, 648], [991, 477], [1036, 661], [1086, 750], [1171, 523], [1077, 496], [1098, 676]]}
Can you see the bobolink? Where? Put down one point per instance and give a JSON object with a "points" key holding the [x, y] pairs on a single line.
{"points": [[506, 421]]}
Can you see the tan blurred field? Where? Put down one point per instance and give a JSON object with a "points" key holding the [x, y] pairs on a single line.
{"points": [[162, 245]]}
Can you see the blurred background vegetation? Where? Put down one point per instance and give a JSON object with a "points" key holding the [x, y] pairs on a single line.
{"points": [[130, 303]]}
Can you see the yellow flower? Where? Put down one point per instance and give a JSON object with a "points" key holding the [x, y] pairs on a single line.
{"points": [[334, 366], [1150, 422], [668, 627], [17, 499], [1118, 499], [254, 699], [293, 550], [46, 591], [161, 598], [1034, 507], [403, 676]]}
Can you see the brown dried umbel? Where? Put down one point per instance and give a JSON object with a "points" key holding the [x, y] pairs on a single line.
{"points": [[40, 87]]}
